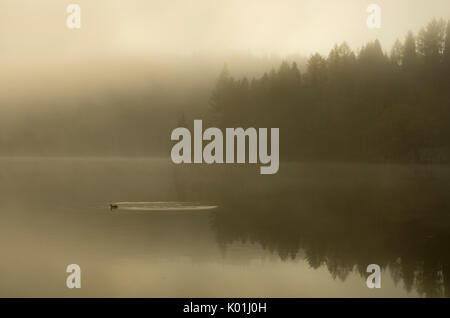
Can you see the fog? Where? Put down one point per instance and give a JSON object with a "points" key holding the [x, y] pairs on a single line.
{"points": [[136, 67], [260, 26], [134, 44], [86, 117]]}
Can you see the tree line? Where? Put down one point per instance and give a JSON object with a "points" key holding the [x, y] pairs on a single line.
{"points": [[367, 105]]}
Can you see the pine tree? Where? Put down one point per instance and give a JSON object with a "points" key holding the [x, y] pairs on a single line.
{"points": [[446, 56], [397, 53], [430, 42], [317, 69], [409, 52]]}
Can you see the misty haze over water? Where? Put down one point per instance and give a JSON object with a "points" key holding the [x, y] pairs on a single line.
{"points": [[308, 231], [86, 120]]}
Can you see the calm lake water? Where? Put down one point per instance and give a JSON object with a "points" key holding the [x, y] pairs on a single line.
{"points": [[309, 231]]}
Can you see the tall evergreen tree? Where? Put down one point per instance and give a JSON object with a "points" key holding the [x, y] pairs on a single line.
{"points": [[317, 70], [409, 56], [446, 57], [370, 107], [397, 53], [431, 40]]}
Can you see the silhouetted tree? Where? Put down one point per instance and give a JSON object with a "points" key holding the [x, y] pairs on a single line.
{"points": [[446, 57], [317, 70], [409, 56], [360, 107], [397, 53], [430, 42]]}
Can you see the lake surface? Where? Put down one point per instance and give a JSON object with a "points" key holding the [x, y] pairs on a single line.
{"points": [[309, 231]]}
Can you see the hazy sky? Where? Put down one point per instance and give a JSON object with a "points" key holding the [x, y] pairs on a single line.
{"points": [[37, 28]]}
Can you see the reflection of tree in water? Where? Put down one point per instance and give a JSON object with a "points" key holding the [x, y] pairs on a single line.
{"points": [[345, 229], [347, 107]]}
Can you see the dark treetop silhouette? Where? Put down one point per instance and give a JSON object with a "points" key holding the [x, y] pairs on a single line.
{"points": [[364, 106], [347, 106]]}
